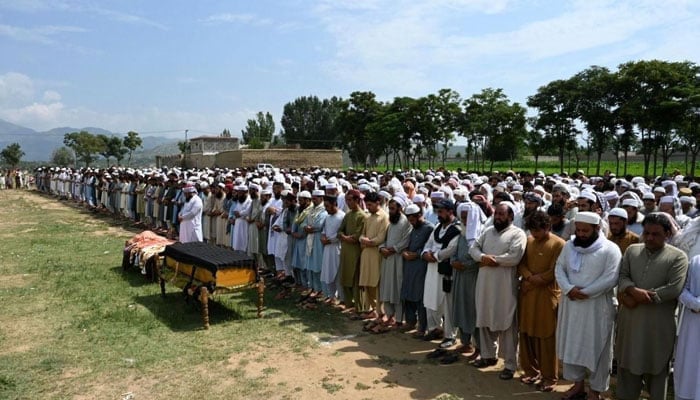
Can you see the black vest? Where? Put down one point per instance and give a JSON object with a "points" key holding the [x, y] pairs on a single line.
{"points": [[453, 231]]}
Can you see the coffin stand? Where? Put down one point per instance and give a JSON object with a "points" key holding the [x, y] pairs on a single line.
{"points": [[203, 269]]}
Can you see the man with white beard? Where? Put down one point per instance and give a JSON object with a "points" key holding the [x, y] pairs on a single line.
{"points": [[190, 217]]}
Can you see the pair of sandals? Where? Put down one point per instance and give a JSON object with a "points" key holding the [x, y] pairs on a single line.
{"points": [[377, 327]]}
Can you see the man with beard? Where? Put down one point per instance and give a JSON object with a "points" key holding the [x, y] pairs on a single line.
{"points": [[651, 279], [223, 237], [538, 300], [313, 245], [619, 234], [217, 200], [649, 201], [190, 217], [349, 233], [297, 244], [331, 247], [560, 225], [414, 268], [282, 238], [263, 225], [373, 234], [238, 216], [253, 220], [437, 293], [499, 250], [397, 236], [533, 202], [276, 236], [587, 271], [634, 217]]}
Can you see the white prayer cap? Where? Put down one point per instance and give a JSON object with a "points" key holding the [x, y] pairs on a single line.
{"points": [[203, 185], [637, 180], [364, 187], [679, 178], [659, 189], [437, 195], [221, 185], [588, 195], [648, 196], [241, 188], [411, 209], [400, 201], [587, 217], [254, 186], [518, 188], [618, 212], [419, 198], [266, 191], [331, 185], [666, 200], [510, 205], [688, 199], [667, 183], [611, 195], [318, 193], [385, 194], [630, 203], [304, 194], [189, 189]]}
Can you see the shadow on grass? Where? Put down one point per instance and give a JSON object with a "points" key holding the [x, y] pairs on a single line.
{"points": [[182, 316], [133, 276]]}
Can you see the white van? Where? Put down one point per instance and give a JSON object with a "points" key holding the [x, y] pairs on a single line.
{"points": [[265, 168]]}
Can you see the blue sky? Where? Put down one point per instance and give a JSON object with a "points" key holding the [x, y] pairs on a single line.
{"points": [[160, 67]]}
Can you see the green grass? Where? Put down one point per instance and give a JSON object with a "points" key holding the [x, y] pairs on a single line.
{"points": [[73, 323]]}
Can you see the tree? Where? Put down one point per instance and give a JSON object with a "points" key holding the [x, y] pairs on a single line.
{"points": [[62, 157], [85, 145], [446, 114], [112, 147], [535, 141], [225, 133], [12, 154], [361, 109], [131, 142], [311, 122], [556, 114], [259, 130]]}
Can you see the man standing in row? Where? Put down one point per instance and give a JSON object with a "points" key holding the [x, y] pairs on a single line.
{"points": [[190, 217], [414, 268], [373, 235], [349, 233], [587, 271], [539, 297], [499, 250], [651, 279]]}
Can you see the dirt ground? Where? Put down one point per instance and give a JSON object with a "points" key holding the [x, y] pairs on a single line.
{"points": [[355, 366]]}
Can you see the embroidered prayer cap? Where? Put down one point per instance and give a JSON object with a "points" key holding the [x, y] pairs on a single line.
{"points": [[411, 209], [587, 217], [618, 212], [685, 192]]}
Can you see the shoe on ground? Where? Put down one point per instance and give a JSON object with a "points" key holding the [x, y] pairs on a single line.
{"points": [[506, 374], [485, 362], [435, 334], [447, 343]]}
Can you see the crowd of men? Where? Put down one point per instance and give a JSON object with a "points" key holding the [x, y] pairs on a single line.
{"points": [[532, 269], [13, 179]]}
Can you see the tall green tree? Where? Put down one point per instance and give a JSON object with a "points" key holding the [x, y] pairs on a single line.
{"points": [[85, 145], [312, 123], [446, 111], [259, 130], [556, 114], [62, 157], [225, 133], [12, 154], [594, 102], [132, 141], [361, 109], [113, 147]]}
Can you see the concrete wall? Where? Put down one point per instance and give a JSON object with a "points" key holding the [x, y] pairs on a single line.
{"points": [[281, 158]]}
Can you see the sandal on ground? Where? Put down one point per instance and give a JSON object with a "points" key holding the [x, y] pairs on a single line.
{"points": [[506, 374], [529, 380], [485, 362], [379, 329], [545, 387]]}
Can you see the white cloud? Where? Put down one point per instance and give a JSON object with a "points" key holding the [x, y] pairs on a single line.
{"points": [[40, 34], [243, 18], [15, 89], [51, 96]]}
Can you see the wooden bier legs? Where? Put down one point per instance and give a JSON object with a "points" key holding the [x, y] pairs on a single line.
{"points": [[204, 299], [261, 296]]}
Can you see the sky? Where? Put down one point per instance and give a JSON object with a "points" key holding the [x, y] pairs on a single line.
{"points": [[163, 67]]}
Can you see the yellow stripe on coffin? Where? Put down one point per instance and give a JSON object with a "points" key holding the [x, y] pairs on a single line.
{"points": [[228, 278]]}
